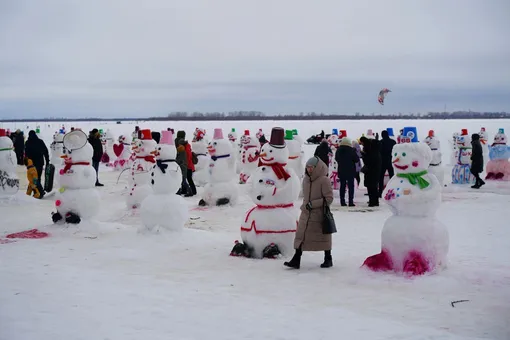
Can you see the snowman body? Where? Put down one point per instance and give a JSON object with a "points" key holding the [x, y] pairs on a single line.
{"points": [[108, 142], [9, 181], [201, 174], [232, 137], [122, 151], [163, 209], [484, 141], [139, 178], [57, 150], [273, 220], [454, 149], [249, 158], [498, 167], [221, 183], [413, 241], [296, 159], [461, 171], [436, 167], [77, 193]]}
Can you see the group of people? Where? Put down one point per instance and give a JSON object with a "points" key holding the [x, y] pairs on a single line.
{"points": [[372, 157]]}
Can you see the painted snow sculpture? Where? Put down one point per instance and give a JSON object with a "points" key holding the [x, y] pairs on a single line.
{"points": [[454, 148], [295, 162], [108, 140], [268, 228], [334, 143], [163, 208], [9, 181], [222, 188], [125, 155], [435, 166], [461, 172], [498, 167], [413, 241], [370, 134], [199, 147], [484, 140], [77, 197], [57, 150], [249, 156], [139, 179]]}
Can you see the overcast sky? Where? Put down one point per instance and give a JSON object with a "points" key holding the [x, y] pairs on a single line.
{"points": [[125, 58]]}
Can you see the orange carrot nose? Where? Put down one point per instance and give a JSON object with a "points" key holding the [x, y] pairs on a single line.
{"points": [[154, 152], [263, 154], [63, 156], [396, 160]]}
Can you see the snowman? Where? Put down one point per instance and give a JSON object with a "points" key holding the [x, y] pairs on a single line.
{"points": [[261, 137], [108, 140], [370, 134], [249, 160], [484, 140], [269, 227], [9, 182], [139, 174], [57, 149], [435, 166], [163, 208], [498, 167], [461, 172], [453, 148], [122, 150], [199, 146], [232, 137], [77, 197], [221, 189], [295, 161], [413, 241], [334, 143]]}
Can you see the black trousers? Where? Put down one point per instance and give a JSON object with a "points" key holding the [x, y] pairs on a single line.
{"points": [[39, 168], [384, 167], [347, 182], [95, 165], [189, 177], [373, 193], [19, 157]]}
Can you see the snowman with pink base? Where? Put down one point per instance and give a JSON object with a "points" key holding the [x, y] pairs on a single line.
{"points": [[122, 150], [413, 240]]}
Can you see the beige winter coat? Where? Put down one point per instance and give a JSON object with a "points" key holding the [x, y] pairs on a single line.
{"points": [[309, 231]]}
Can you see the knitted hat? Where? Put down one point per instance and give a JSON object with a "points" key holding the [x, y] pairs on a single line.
{"points": [[312, 161], [346, 141]]}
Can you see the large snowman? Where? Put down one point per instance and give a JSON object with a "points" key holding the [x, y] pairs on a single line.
{"points": [[139, 177], [108, 140], [435, 166], [222, 188], [57, 150], [249, 156], [199, 146], [461, 171], [77, 197], [484, 140], [268, 228], [9, 182], [413, 241], [454, 148], [163, 208], [295, 161], [123, 152], [498, 167]]}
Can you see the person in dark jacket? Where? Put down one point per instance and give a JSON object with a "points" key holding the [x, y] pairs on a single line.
{"points": [[182, 160], [36, 150], [476, 160], [371, 169], [346, 158], [322, 151], [386, 147], [19, 146], [95, 141]]}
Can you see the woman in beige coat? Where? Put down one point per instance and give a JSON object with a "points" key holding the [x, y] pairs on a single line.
{"points": [[309, 236]]}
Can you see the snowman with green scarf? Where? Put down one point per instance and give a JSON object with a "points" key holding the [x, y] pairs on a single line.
{"points": [[413, 240]]}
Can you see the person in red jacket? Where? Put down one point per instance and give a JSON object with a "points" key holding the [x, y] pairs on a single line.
{"points": [[190, 165]]}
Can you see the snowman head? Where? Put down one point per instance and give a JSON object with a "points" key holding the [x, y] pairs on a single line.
{"points": [[411, 157], [276, 150], [6, 143], [333, 140], [483, 135], [432, 142], [232, 135], [219, 146], [166, 152], [500, 137]]}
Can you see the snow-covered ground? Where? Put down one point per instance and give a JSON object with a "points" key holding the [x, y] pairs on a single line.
{"points": [[105, 279]]}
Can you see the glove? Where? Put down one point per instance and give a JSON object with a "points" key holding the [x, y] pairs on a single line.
{"points": [[309, 206]]}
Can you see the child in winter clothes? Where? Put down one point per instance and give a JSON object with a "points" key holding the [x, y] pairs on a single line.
{"points": [[33, 179]]}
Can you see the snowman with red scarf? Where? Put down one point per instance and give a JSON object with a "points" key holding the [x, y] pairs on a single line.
{"points": [[249, 158], [139, 174], [221, 188], [77, 197], [268, 228]]}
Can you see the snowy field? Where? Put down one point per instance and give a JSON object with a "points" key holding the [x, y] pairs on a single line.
{"points": [[104, 279]]}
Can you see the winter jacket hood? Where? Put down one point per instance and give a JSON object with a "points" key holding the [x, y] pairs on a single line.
{"points": [[321, 169]]}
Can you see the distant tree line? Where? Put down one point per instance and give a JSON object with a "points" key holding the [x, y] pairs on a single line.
{"points": [[257, 115]]}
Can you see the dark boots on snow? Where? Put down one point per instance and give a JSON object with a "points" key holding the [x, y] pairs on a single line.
{"points": [[240, 249], [271, 251], [222, 201], [478, 184], [71, 218], [328, 260], [295, 262]]}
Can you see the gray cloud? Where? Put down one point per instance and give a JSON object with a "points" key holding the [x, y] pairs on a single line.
{"points": [[140, 58]]}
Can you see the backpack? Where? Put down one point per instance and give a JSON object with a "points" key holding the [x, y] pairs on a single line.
{"points": [[194, 158]]}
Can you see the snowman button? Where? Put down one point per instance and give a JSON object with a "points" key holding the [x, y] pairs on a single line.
{"points": [[260, 181]]}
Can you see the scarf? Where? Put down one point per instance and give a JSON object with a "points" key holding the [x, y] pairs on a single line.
{"points": [[415, 178], [162, 166], [278, 169], [6, 149], [214, 158], [69, 163], [147, 158]]}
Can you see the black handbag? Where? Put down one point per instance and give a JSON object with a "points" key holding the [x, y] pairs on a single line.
{"points": [[328, 222]]}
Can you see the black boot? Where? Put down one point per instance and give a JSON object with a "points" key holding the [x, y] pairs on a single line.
{"points": [[295, 262], [222, 201], [202, 203], [271, 251], [240, 249], [56, 217], [328, 260], [342, 203], [72, 218]]}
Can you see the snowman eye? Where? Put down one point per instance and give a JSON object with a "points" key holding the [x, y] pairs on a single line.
{"points": [[403, 154], [395, 154], [214, 143]]}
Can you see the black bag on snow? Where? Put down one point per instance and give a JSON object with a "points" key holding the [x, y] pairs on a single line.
{"points": [[49, 175], [328, 222]]}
